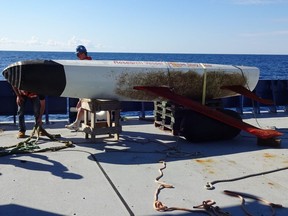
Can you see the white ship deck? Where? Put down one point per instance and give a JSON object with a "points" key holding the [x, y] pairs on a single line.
{"points": [[118, 178]]}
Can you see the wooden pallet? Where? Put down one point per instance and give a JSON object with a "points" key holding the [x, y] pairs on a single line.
{"points": [[168, 116], [211, 113]]}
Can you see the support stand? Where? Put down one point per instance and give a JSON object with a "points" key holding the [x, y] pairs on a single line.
{"points": [[111, 125]]}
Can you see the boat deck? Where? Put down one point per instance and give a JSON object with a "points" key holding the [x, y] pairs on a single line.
{"points": [[118, 178]]}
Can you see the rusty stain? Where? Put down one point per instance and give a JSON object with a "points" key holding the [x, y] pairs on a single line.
{"points": [[270, 183], [211, 172], [188, 84], [232, 162], [268, 155], [204, 161], [208, 165]]}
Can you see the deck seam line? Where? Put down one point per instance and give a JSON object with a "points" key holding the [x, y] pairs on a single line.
{"points": [[110, 182]]}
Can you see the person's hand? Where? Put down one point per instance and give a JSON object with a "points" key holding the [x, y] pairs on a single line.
{"points": [[19, 100]]}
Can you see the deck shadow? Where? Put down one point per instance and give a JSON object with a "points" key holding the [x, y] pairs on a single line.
{"points": [[13, 209], [144, 148], [54, 167]]}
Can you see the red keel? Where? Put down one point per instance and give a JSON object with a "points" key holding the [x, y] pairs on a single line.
{"points": [[243, 91], [212, 113]]}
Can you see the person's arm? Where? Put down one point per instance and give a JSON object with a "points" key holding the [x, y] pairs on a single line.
{"points": [[19, 98], [16, 90]]}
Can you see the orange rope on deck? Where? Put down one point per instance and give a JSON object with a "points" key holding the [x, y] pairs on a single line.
{"points": [[207, 207]]}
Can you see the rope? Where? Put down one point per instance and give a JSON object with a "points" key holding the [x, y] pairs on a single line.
{"points": [[207, 206], [171, 151], [30, 144], [253, 102], [242, 195], [210, 185], [204, 84]]}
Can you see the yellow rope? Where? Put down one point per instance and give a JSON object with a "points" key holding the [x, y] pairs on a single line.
{"points": [[204, 84]]}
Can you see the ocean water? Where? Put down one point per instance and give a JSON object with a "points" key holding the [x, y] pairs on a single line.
{"points": [[271, 66]]}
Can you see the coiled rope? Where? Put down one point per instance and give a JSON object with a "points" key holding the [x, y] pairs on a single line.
{"points": [[30, 144]]}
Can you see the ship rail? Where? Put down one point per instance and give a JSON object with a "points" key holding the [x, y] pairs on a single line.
{"points": [[275, 90]]}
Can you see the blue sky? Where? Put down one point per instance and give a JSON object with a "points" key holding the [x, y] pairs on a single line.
{"points": [[149, 26]]}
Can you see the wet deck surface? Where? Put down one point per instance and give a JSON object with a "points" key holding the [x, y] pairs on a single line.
{"points": [[118, 178]]}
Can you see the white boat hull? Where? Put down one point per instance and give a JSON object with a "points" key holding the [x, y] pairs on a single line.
{"points": [[116, 79]]}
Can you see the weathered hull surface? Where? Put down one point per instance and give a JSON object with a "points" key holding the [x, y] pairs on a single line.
{"points": [[116, 79]]}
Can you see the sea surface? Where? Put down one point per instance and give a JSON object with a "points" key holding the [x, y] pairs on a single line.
{"points": [[271, 66]]}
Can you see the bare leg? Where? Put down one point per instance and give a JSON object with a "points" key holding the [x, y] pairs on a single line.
{"points": [[80, 113]]}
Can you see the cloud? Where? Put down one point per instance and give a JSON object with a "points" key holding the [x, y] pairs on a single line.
{"points": [[76, 41], [34, 43]]}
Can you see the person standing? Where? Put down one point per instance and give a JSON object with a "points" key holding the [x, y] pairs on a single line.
{"points": [[21, 99], [82, 54]]}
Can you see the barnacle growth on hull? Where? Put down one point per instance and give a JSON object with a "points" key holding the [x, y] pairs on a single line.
{"points": [[188, 84]]}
